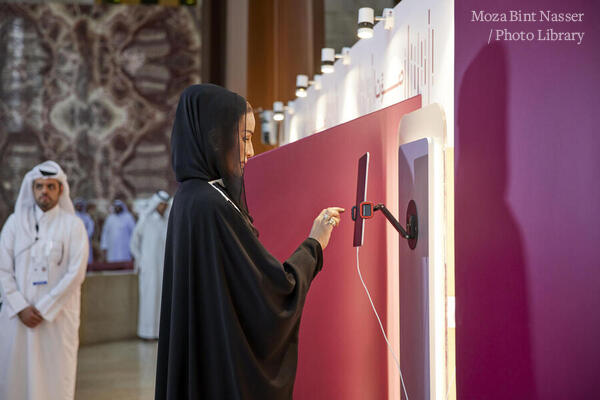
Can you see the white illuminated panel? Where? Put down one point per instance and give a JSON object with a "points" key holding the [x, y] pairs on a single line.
{"points": [[430, 123], [415, 57]]}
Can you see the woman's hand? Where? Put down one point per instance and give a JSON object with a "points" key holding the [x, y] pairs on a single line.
{"points": [[324, 224]]}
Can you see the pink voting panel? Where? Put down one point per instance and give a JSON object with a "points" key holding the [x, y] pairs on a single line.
{"points": [[342, 354], [361, 196]]}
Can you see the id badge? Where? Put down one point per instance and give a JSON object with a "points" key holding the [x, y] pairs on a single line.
{"points": [[47, 253], [39, 274]]}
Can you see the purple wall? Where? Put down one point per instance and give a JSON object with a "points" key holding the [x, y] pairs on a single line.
{"points": [[527, 207]]}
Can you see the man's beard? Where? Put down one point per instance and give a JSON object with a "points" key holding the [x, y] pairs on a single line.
{"points": [[45, 203]]}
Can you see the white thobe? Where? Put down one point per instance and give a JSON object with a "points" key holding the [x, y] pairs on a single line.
{"points": [[148, 248], [88, 222], [40, 363], [116, 235]]}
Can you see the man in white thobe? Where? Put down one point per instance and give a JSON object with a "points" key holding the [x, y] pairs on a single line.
{"points": [[88, 222], [43, 259], [148, 249], [116, 233]]}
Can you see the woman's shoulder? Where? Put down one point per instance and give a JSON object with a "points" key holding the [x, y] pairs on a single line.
{"points": [[201, 202], [198, 194]]}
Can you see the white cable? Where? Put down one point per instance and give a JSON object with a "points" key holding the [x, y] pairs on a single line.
{"points": [[381, 325]]}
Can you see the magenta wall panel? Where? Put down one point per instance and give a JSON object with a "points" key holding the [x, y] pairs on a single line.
{"points": [[527, 207], [342, 354]]}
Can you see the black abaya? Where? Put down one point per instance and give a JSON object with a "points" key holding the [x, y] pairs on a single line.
{"points": [[230, 311]]}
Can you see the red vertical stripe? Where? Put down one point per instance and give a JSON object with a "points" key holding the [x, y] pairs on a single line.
{"points": [[427, 50], [427, 72], [432, 53], [417, 49], [405, 78]]}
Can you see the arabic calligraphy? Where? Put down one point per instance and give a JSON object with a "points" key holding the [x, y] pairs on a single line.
{"points": [[380, 91]]}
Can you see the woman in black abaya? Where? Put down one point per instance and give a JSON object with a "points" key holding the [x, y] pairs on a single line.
{"points": [[230, 311]]}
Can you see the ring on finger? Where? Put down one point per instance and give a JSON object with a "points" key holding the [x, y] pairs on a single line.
{"points": [[332, 222]]}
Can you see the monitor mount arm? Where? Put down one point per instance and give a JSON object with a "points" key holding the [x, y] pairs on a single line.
{"points": [[411, 233], [396, 224]]}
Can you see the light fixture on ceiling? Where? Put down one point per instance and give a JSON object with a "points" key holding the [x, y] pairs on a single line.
{"points": [[278, 111], [301, 85], [328, 58], [268, 128], [366, 21]]}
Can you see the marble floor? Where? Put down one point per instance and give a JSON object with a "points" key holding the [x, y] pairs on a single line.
{"points": [[116, 371]]}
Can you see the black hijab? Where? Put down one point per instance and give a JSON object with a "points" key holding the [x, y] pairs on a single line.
{"points": [[230, 311], [205, 139]]}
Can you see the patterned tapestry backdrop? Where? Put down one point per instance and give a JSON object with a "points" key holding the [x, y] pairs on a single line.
{"points": [[94, 88]]}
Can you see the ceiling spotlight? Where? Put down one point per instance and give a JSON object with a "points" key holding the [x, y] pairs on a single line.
{"points": [[366, 21], [328, 58], [278, 111], [301, 85], [268, 128]]}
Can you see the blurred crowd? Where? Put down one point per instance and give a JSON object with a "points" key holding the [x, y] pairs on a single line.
{"points": [[110, 233]]}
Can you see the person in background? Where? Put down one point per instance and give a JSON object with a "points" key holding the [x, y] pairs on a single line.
{"points": [[98, 219], [116, 234], [148, 249], [88, 222], [43, 259]]}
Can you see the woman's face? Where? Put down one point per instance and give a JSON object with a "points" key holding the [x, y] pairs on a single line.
{"points": [[246, 129]]}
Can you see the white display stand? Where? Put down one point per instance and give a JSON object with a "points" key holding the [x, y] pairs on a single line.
{"points": [[422, 172]]}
